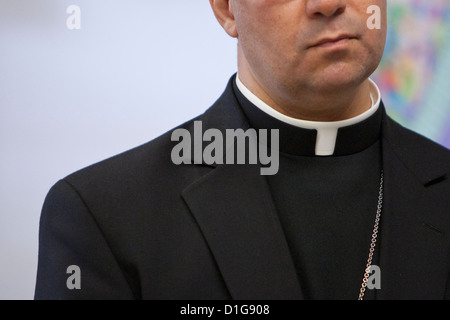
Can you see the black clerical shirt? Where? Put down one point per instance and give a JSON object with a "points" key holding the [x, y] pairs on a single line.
{"points": [[326, 204]]}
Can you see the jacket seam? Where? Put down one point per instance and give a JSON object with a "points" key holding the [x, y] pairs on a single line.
{"points": [[99, 229]]}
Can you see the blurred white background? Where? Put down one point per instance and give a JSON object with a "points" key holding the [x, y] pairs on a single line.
{"points": [[70, 98]]}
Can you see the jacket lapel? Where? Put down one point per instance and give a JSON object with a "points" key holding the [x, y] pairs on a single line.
{"points": [[414, 244], [241, 226], [233, 207]]}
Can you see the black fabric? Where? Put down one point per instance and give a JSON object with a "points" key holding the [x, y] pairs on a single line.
{"points": [[326, 205], [140, 227]]}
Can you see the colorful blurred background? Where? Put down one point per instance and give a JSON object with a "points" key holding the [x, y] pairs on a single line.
{"points": [[414, 74]]}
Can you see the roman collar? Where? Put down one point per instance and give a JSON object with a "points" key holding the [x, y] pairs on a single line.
{"points": [[313, 138]]}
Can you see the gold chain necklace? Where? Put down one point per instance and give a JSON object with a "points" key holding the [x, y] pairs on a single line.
{"points": [[374, 240]]}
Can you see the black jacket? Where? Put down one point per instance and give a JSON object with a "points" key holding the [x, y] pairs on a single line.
{"points": [[140, 227]]}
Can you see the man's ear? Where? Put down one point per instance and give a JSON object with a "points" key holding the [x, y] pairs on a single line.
{"points": [[223, 10]]}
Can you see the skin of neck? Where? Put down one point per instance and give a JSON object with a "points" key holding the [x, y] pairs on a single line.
{"points": [[343, 102]]}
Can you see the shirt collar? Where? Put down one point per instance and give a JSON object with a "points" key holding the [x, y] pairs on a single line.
{"points": [[325, 138]]}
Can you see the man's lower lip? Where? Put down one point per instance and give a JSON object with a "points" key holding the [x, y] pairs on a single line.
{"points": [[341, 43]]}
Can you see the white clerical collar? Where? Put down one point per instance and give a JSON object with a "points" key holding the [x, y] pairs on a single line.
{"points": [[326, 130]]}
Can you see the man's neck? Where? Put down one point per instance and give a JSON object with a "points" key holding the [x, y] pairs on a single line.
{"points": [[327, 105]]}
